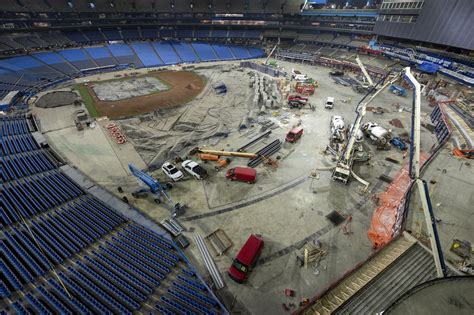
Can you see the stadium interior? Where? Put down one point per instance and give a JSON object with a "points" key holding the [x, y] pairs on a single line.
{"points": [[236, 156]]}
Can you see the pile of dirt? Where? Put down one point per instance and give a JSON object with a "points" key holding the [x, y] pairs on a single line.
{"points": [[192, 87]]}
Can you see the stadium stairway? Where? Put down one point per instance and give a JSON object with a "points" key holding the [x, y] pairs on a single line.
{"points": [[375, 285], [65, 251]]}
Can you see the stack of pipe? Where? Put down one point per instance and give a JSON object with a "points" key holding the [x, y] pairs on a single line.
{"points": [[267, 151]]}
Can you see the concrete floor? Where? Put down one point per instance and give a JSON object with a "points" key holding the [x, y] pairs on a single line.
{"points": [[286, 206], [450, 181]]}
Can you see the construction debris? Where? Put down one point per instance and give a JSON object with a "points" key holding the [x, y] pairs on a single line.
{"points": [[396, 122], [218, 241], [209, 262]]}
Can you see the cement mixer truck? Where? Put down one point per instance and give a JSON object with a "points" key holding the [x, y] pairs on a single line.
{"points": [[378, 135]]}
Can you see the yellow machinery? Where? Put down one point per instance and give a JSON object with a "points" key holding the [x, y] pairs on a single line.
{"points": [[214, 155]]}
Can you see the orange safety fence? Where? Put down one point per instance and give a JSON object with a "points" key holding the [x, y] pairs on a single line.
{"points": [[389, 204]]}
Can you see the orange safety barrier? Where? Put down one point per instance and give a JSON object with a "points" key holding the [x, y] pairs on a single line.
{"points": [[389, 203]]}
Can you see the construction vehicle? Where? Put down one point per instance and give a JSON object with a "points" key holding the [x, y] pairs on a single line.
{"points": [[368, 83], [343, 169], [399, 143], [398, 90], [296, 101], [298, 76], [221, 163], [294, 134], [312, 82], [380, 136], [329, 103], [273, 64], [154, 187], [218, 153], [337, 129], [304, 89]]}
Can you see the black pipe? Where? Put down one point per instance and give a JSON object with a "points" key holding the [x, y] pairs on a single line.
{"points": [[252, 142]]}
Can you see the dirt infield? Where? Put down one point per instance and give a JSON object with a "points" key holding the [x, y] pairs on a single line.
{"points": [[185, 86]]}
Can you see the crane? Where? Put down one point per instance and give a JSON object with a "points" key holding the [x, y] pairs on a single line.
{"points": [[421, 184], [153, 186], [343, 169], [364, 71]]}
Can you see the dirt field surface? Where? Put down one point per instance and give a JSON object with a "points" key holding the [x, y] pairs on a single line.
{"points": [[185, 86]]}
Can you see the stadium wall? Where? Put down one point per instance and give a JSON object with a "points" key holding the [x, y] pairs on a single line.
{"points": [[441, 22]]}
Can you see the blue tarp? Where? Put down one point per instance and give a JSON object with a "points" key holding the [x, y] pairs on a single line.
{"points": [[428, 67]]}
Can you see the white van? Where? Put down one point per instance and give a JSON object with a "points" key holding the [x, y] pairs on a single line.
{"points": [[329, 102]]}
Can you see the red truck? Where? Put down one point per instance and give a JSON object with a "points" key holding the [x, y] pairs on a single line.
{"points": [[246, 259], [243, 174], [297, 101], [294, 134]]}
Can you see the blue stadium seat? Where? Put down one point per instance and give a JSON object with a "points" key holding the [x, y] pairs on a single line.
{"points": [[78, 58], [150, 33], [201, 33], [94, 35], [240, 52], [76, 36], [59, 306], [219, 33], [55, 61], [124, 54], [167, 33], [185, 33], [130, 34], [185, 52], [92, 302], [112, 34], [166, 53], [77, 306], [147, 54], [134, 279], [115, 278], [101, 56], [223, 52], [253, 34], [205, 51]]}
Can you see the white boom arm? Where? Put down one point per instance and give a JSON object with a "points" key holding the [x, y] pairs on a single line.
{"points": [[361, 110], [422, 185], [364, 71]]}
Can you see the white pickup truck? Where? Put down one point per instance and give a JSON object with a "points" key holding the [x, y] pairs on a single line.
{"points": [[194, 169]]}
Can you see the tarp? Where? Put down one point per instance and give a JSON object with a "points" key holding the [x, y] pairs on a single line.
{"points": [[428, 67], [390, 205]]}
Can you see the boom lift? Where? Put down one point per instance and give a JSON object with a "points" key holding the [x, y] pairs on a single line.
{"points": [[153, 186], [343, 169], [364, 71], [421, 183]]}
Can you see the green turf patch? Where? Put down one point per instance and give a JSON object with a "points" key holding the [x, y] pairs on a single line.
{"points": [[88, 101]]}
